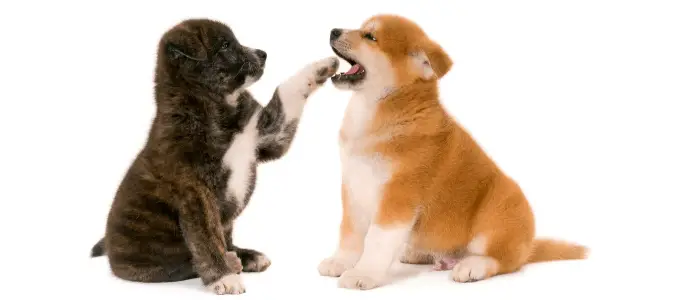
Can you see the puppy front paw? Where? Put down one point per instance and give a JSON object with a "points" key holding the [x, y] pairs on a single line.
{"points": [[234, 262], [359, 280], [306, 81], [228, 284], [324, 69], [333, 266]]}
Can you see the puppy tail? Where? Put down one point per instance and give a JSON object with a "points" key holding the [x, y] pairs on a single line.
{"points": [[99, 248], [548, 250]]}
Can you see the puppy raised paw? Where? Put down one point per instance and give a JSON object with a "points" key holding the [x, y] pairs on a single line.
{"points": [[324, 69], [309, 78], [228, 284]]}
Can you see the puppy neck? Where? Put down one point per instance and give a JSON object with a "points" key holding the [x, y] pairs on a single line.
{"points": [[427, 90]]}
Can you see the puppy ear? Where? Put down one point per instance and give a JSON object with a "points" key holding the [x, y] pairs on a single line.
{"points": [[185, 44], [175, 52], [431, 60], [422, 64]]}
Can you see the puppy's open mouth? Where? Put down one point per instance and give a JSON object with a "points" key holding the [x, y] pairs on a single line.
{"points": [[355, 74]]}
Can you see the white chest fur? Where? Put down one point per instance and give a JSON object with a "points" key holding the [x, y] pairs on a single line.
{"points": [[238, 159], [364, 173]]}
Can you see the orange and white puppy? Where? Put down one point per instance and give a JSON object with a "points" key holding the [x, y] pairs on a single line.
{"points": [[416, 186]]}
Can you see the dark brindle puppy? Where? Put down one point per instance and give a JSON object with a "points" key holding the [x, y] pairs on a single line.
{"points": [[172, 216]]}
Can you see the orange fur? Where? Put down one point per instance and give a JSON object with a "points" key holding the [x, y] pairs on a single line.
{"points": [[547, 250], [442, 184], [349, 240]]}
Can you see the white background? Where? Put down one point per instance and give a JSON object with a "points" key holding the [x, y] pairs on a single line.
{"points": [[592, 106]]}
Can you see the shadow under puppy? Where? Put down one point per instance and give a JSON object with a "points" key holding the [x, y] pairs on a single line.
{"points": [[416, 187], [172, 216]]}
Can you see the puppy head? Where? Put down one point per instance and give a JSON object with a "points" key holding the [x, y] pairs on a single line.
{"points": [[206, 54], [387, 51]]}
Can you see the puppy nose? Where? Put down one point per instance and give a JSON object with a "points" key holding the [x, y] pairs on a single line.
{"points": [[261, 54], [335, 34]]}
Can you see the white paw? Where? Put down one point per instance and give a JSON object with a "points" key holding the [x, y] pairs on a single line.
{"points": [[359, 280], [320, 70], [334, 266], [229, 284], [311, 77], [474, 268], [259, 264]]}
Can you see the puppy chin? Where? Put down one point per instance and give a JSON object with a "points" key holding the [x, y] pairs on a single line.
{"points": [[232, 98], [250, 79], [347, 85], [341, 85], [255, 74]]}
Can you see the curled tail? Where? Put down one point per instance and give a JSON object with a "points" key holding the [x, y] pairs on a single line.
{"points": [[98, 249], [548, 249]]}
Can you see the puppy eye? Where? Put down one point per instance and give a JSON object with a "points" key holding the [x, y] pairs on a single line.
{"points": [[370, 37], [225, 45]]}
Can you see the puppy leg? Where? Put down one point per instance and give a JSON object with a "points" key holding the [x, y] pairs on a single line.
{"points": [[278, 121], [386, 237], [232, 257], [204, 235], [506, 250], [500, 245], [490, 256], [252, 260], [234, 262], [382, 246], [249, 260], [352, 235]]}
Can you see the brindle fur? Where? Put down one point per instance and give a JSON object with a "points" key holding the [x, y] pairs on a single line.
{"points": [[172, 218]]}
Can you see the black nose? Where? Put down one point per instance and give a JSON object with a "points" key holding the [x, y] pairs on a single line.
{"points": [[335, 34], [261, 54]]}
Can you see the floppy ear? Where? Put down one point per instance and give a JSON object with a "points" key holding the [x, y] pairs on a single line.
{"points": [[185, 44], [431, 60]]}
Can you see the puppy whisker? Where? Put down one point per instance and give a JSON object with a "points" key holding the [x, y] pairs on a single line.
{"points": [[240, 69]]}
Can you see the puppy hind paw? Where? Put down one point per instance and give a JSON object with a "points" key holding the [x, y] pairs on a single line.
{"points": [[258, 263], [253, 261], [474, 268]]}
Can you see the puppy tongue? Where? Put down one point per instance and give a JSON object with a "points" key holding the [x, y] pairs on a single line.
{"points": [[354, 69]]}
